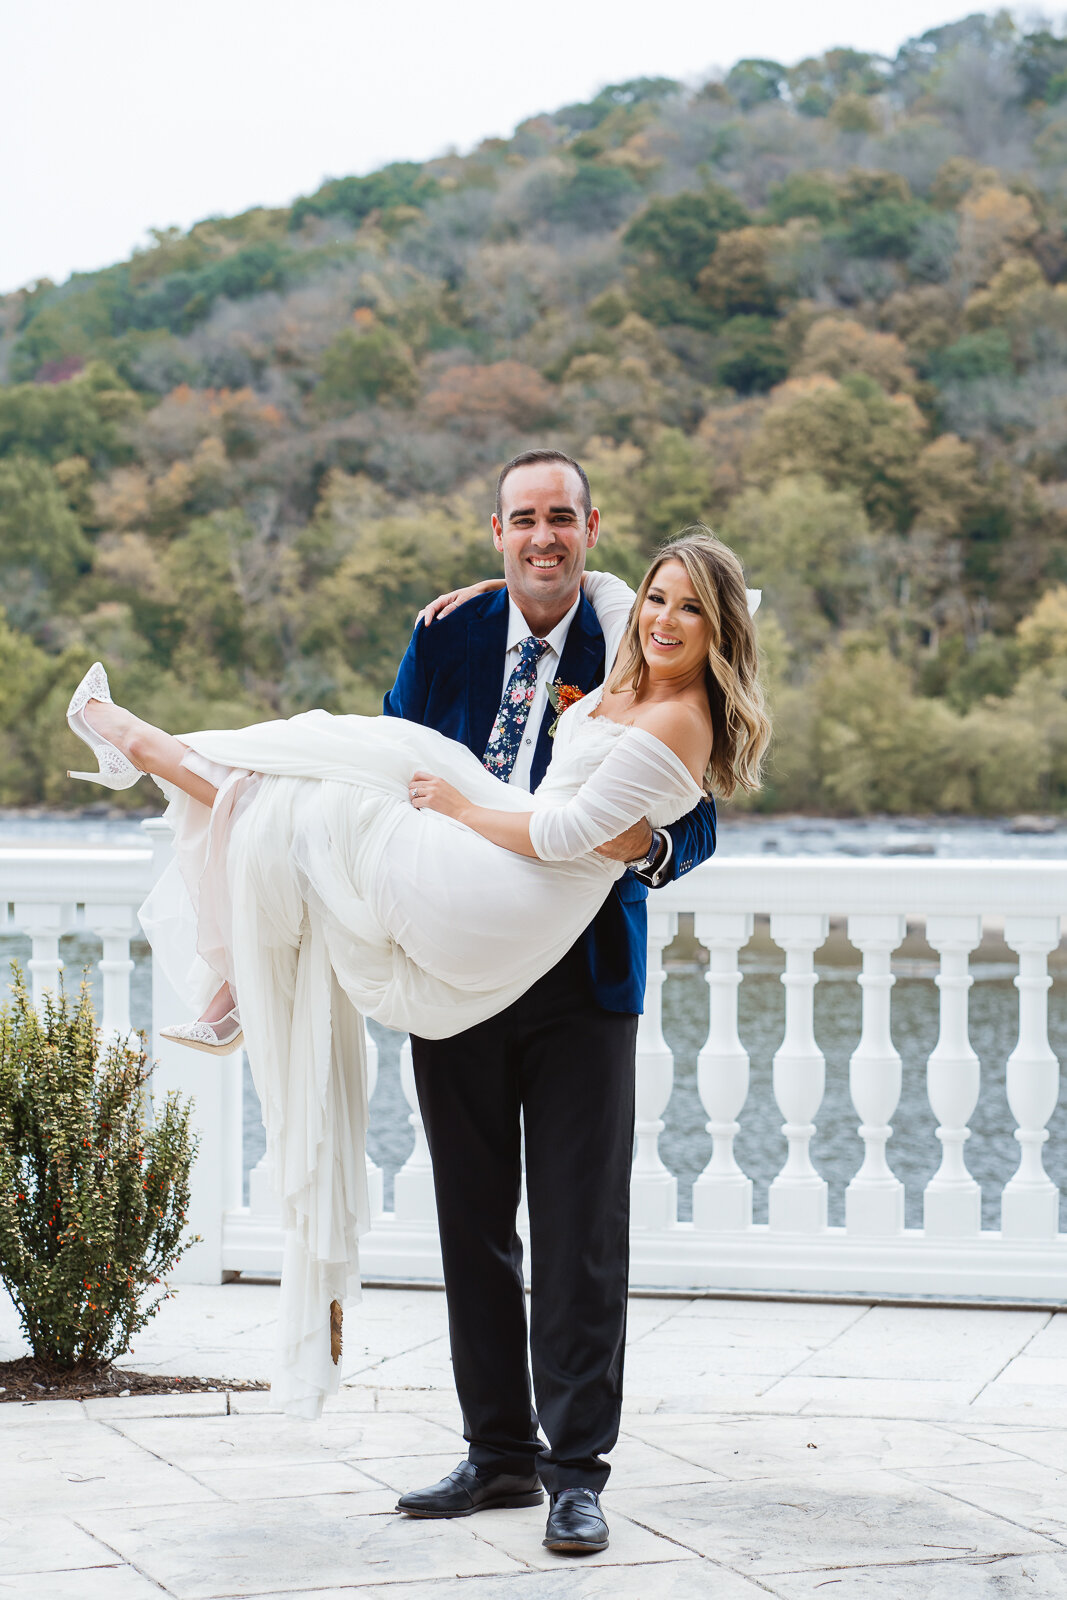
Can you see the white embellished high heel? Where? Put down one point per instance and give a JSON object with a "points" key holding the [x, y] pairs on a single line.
{"points": [[216, 1038], [115, 770]]}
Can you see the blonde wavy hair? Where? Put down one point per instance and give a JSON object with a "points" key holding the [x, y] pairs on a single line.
{"points": [[740, 724]]}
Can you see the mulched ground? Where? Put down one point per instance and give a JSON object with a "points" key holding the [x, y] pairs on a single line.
{"points": [[28, 1379]]}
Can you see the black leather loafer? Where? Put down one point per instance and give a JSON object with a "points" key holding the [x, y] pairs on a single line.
{"points": [[576, 1523], [467, 1490]]}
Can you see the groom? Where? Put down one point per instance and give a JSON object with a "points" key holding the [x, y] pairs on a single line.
{"points": [[561, 1057]]}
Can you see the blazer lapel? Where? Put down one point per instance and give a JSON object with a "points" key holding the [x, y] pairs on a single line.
{"points": [[487, 638], [582, 665]]}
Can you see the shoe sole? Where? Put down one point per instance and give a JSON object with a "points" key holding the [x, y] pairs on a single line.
{"points": [[507, 1503], [574, 1547], [227, 1049]]}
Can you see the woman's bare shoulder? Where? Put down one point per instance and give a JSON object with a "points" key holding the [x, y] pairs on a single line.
{"points": [[684, 726]]}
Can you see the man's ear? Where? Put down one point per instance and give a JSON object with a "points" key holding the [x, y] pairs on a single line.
{"points": [[498, 533], [592, 529]]}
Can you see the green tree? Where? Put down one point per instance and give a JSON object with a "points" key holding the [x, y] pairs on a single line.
{"points": [[81, 417], [810, 547], [594, 196], [753, 358], [680, 233], [39, 533], [805, 194], [404, 183], [754, 81], [367, 364]]}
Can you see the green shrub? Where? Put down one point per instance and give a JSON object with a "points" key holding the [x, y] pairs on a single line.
{"points": [[92, 1206]]}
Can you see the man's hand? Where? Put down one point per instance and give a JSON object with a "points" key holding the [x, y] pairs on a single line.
{"points": [[629, 846]]}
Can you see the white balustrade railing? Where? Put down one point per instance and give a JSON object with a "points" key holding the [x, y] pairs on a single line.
{"points": [[46, 893]]}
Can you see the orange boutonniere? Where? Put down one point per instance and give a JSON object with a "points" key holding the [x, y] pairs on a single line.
{"points": [[562, 695]]}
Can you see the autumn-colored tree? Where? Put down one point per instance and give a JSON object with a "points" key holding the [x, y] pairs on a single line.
{"points": [[839, 345], [504, 393], [851, 434], [737, 280]]}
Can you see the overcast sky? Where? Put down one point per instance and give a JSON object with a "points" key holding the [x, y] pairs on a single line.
{"points": [[121, 115]]}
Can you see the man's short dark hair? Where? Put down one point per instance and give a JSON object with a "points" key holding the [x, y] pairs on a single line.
{"points": [[537, 458]]}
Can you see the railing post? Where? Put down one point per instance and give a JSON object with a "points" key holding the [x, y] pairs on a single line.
{"points": [[215, 1085], [375, 1182], [413, 1192], [113, 925], [44, 923], [722, 1195], [797, 1197], [653, 1189], [874, 1200], [1030, 1204], [952, 1203]]}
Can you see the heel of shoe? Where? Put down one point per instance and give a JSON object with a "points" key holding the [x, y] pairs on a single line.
{"points": [[110, 780]]}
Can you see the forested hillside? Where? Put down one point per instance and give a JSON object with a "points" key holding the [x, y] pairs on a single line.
{"points": [[822, 307]]}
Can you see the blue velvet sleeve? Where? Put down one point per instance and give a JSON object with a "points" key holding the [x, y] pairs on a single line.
{"points": [[407, 697], [693, 837]]}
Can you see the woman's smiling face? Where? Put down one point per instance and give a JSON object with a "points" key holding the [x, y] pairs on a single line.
{"points": [[673, 630]]}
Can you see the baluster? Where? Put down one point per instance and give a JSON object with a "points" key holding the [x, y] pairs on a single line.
{"points": [[952, 1204], [1030, 1204], [44, 924], [413, 1194], [374, 1171], [722, 1195], [653, 1190], [264, 1202], [113, 926], [874, 1200], [797, 1197]]}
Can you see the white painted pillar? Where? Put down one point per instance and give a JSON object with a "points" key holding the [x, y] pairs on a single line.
{"points": [[374, 1171], [952, 1203], [653, 1189], [874, 1200], [44, 924], [413, 1194], [797, 1197], [1030, 1204], [113, 926], [722, 1195], [215, 1084]]}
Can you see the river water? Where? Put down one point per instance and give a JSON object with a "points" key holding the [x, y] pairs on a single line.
{"points": [[992, 1152]]}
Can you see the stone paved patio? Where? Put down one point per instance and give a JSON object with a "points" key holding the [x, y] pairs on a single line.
{"points": [[768, 1448]]}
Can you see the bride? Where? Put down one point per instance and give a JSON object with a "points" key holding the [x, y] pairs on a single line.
{"points": [[331, 866]]}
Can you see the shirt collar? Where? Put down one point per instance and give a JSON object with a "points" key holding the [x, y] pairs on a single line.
{"points": [[519, 629]]}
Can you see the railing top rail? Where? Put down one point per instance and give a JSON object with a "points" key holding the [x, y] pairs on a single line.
{"points": [[912, 886], [98, 874], [79, 853]]}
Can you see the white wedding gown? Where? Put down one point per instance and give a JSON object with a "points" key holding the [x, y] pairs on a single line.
{"points": [[322, 895]]}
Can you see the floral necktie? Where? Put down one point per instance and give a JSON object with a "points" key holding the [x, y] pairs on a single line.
{"points": [[506, 737]]}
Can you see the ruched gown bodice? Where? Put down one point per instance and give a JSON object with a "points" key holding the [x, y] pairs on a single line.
{"points": [[320, 893]]}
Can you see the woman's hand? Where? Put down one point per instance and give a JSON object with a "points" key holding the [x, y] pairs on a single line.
{"points": [[455, 597], [428, 793]]}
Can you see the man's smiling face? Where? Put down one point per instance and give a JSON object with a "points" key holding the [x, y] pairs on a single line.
{"points": [[543, 535]]}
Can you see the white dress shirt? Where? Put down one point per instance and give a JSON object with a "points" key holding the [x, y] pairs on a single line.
{"points": [[518, 630]]}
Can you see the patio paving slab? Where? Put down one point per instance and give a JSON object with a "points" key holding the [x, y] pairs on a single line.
{"points": [[736, 1475]]}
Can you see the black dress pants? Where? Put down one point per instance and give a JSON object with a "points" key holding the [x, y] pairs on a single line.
{"points": [[568, 1066]]}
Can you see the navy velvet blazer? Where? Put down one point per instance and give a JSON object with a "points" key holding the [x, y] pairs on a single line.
{"points": [[451, 679]]}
